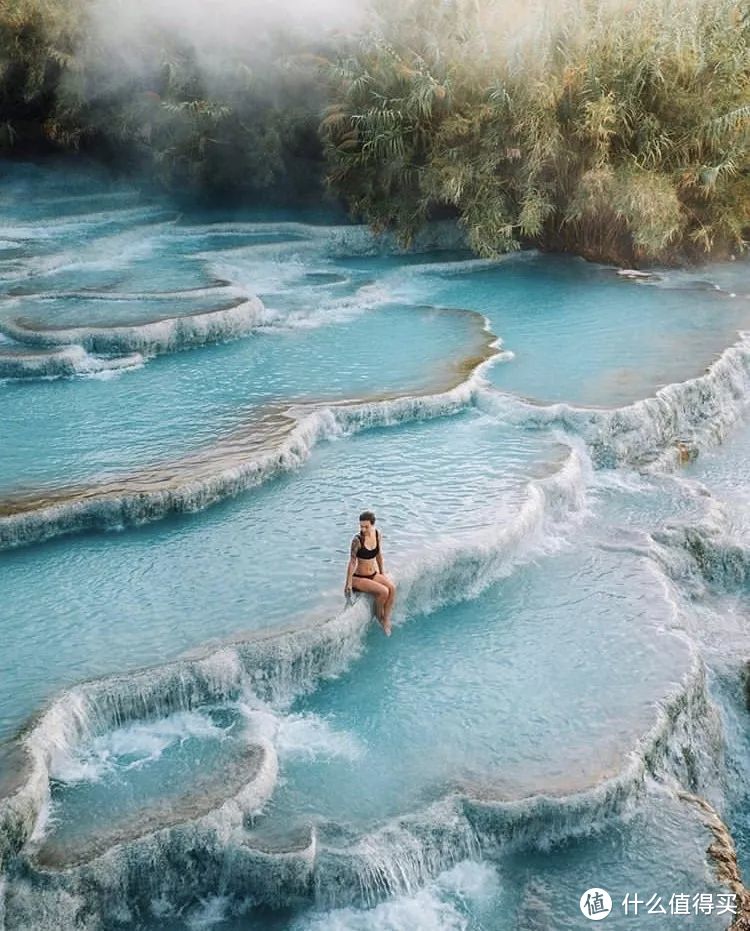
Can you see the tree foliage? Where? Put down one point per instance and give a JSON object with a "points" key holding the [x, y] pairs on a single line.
{"points": [[619, 130], [195, 124]]}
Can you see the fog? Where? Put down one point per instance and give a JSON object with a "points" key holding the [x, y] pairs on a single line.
{"points": [[133, 34], [130, 31]]}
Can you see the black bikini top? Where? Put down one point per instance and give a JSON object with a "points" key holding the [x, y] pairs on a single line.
{"points": [[363, 552]]}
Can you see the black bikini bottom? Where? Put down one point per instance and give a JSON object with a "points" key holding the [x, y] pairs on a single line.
{"points": [[358, 575]]}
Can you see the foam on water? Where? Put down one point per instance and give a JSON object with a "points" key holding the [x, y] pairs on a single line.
{"points": [[303, 736], [456, 896], [130, 747], [661, 431], [725, 470], [658, 851], [17, 361], [217, 775]]}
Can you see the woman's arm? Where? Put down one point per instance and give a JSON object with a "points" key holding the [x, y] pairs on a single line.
{"points": [[351, 566], [379, 557]]}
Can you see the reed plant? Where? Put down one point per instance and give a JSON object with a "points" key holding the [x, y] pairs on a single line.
{"points": [[616, 130]]}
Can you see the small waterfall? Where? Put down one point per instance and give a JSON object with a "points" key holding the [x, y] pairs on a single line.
{"points": [[73, 360], [168, 334], [234, 465], [660, 432]]}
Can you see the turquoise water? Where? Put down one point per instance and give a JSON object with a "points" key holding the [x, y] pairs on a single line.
{"points": [[174, 585], [410, 713], [170, 408], [607, 341], [197, 730]]}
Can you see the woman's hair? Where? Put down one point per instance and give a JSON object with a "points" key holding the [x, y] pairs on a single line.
{"points": [[367, 515]]}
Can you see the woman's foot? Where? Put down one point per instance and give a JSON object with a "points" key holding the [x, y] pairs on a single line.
{"points": [[383, 619]]}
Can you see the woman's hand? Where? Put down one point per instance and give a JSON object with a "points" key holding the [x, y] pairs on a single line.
{"points": [[347, 590]]}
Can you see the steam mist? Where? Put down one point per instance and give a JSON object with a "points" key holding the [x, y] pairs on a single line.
{"points": [[244, 30]]}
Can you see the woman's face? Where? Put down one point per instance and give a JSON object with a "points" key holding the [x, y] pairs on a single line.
{"points": [[365, 526]]}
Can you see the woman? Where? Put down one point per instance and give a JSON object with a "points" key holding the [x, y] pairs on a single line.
{"points": [[365, 570]]}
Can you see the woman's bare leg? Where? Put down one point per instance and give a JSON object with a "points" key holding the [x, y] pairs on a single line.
{"points": [[388, 607], [371, 587]]}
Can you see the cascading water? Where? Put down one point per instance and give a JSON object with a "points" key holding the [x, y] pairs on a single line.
{"points": [[197, 732]]}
